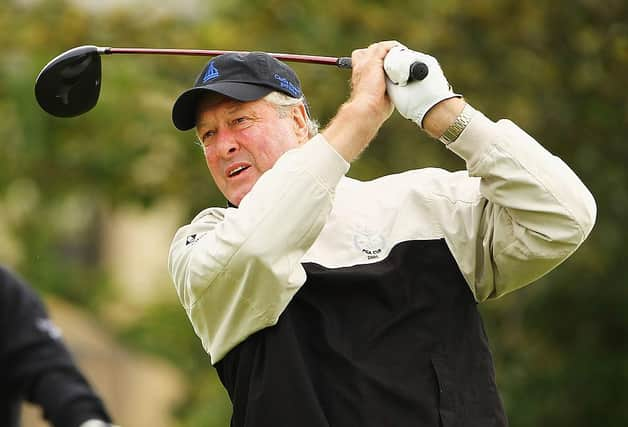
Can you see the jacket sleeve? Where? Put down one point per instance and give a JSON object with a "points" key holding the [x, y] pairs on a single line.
{"points": [[235, 270], [40, 368], [531, 211]]}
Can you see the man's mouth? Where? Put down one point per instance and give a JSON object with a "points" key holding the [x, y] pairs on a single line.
{"points": [[237, 170]]}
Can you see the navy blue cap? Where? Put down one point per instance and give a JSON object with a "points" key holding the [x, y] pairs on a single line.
{"points": [[239, 75]]}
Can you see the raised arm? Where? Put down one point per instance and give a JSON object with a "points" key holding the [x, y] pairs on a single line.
{"points": [[526, 212]]}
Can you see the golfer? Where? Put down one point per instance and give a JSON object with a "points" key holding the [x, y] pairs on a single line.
{"points": [[327, 301]]}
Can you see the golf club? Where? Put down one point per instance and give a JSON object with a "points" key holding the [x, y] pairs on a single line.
{"points": [[69, 85]]}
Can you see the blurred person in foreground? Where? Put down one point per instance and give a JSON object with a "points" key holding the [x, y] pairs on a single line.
{"points": [[36, 366], [327, 301]]}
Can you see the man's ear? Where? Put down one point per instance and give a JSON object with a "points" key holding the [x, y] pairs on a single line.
{"points": [[299, 120]]}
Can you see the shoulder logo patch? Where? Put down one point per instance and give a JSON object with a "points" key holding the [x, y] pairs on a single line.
{"points": [[193, 238], [49, 328]]}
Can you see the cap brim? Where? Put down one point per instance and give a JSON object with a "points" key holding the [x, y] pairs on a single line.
{"points": [[184, 109]]}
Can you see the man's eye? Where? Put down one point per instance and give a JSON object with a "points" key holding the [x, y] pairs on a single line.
{"points": [[239, 120], [207, 135]]}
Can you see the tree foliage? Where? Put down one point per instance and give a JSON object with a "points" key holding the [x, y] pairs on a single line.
{"points": [[558, 69]]}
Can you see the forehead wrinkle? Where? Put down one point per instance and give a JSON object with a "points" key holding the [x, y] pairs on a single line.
{"points": [[215, 109]]}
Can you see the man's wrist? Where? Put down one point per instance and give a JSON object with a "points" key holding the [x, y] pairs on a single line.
{"points": [[442, 115], [350, 131]]}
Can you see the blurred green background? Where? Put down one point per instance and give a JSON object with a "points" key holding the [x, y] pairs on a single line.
{"points": [[88, 204]]}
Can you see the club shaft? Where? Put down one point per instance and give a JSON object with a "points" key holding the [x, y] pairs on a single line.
{"points": [[311, 59]]}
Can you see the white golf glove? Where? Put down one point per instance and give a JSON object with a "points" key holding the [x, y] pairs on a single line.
{"points": [[415, 98]]}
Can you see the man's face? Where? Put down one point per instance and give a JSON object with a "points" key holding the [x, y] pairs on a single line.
{"points": [[242, 140]]}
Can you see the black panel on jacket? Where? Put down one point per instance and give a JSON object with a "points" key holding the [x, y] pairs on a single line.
{"points": [[395, 343]]}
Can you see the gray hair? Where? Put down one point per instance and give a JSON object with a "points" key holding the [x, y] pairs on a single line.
{"points": [[284, 103]]}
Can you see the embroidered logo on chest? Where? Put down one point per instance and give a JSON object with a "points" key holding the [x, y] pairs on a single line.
{"points": [[370, 242]]}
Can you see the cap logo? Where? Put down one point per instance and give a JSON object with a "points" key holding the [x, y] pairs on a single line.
{"points": [[286, 84], [210, 73]]}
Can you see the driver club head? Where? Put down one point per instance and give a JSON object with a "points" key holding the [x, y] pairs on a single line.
{"points": [[69, 85]]}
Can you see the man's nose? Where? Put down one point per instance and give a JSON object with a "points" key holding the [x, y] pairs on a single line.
{"points": [[227, 142]]}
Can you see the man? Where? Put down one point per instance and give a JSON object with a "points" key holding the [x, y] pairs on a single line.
{"points": [[325, 301], [36, 366]]}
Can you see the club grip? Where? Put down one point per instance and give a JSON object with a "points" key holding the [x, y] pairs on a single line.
{"points": [[344, 62], [418, 70]]}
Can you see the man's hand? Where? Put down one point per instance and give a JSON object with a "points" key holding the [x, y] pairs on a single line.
{"points": [[368, 81], [368, 107], [414, 99]]}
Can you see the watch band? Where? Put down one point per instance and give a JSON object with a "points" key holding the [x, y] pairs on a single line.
{"points": [[455, 129]]}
